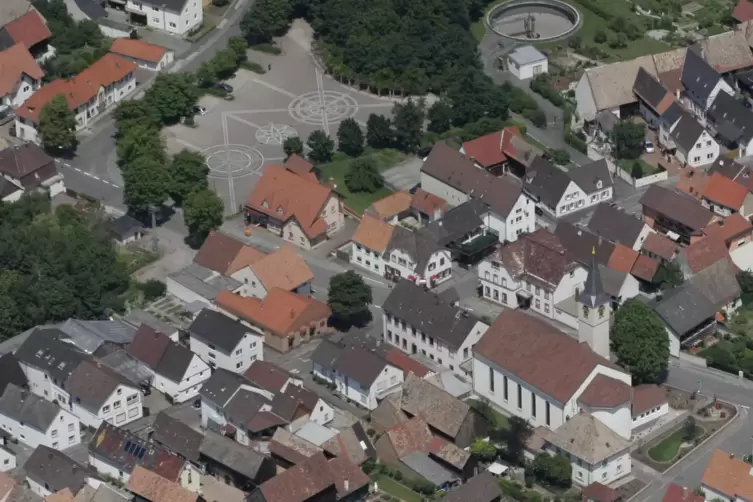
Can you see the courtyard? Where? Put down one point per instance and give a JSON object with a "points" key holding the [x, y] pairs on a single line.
{"points": [[294, 98]]}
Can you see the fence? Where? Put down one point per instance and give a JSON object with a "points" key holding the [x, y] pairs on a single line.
{"points": [[640, 182]]}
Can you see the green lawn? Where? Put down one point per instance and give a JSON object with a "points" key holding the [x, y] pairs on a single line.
{"points": [[335, 171], [398, 490], [667, 449], [627, 165]]}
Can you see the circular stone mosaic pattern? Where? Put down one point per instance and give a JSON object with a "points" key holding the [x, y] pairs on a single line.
{"points": [[233, 160], [274, 134], [314, 108]]}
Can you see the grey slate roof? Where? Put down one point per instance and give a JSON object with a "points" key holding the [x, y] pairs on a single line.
{"points": [[171, 5], [359, 363], [593, 290], [221, 386], [686, 132], [137, 317], [615, 225], [45, 349], [526, 55], [23, 406], [589, 175], [11, 372], [125, 227], [650, 90], [672, 114], [546, 182], [218, 329], [204, 282], [718, 283], [480, 488], [458, 221], [92, 383], [90, 335], [229, 453], [55, 469], [174, 362], [102, 494], [177, 437], [732, 120], [428, 468], [698, 76], [729, 168], [244, 406], [326, 354], [684, 308], [426, 312], [419, 245], [435, 406]]}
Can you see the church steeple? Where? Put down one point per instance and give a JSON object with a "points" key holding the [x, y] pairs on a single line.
{"points": [[593, 290]]}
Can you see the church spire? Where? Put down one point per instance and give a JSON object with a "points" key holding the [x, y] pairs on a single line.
{"points": [[593, 292]]}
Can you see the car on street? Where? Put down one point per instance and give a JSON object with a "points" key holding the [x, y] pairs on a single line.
{"points": [[649, 146], [223, 87]]}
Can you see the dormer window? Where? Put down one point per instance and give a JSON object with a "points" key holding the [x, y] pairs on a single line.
{"points": [[279, 210], [599, 184], [265, 204]]}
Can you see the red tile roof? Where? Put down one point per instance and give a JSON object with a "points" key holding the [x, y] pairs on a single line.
{"points": [[281, 312], [728, 475], [597, 492], [401, 361], [622, 259], [15, 62], [646, 397], [743, 11], [732, 227], [539, 354], [80, 89], [148, 346], [267, 376], [725, 191], [645, 268], [660, 245], [28, 29], [138, 49], [373, 233], [705, 253], [428, 203], [606, 392], [676, 493], [284, 195], [300, 166], [486, 150]]}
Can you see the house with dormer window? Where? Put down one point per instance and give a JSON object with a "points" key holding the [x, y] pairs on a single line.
{"points": [[298, 209]]}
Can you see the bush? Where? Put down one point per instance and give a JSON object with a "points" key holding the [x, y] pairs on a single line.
{"points": [[153, 289], [254, 67], [600, 37], [560, 157], [542, 85], [537, 117], [267, 48], [555, 470], [200, 32], [637, 170]]}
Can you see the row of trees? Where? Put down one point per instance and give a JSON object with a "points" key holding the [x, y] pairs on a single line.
{"points": [[54, 266]]}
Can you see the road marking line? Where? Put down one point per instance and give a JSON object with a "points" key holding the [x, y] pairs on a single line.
{"points": [[268, 110], [188, 145], [67, 164], [374, 281], [77, 169], [744, 407], [377, 307], [275, 88], [322, 102]]}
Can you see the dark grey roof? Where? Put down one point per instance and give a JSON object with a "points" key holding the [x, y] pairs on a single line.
{"points": [[677, 206], [361, 365], [615, 225], [729, 168], [125, 226], [428, 468], [92, 383], [480, 488], [419, 245], [593, 290], [177, 437], [732, 120], [45, 349], [244, 406], [221, 386], [426, 312], [54, 469], [698, 76], [458, 221], [171, 5], [612, 280], [174, 362], [6, 40], [579, 244], [684, 309], [650, 90], [589, 175], [90, 335], [218, 329], [326, 354], [233, 455], [672, 113], [545, 182], [27, 408], [718, 283], [607, 120], [11, 372], [687, 131]]}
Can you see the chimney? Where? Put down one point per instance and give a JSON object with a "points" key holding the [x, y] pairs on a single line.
{"points": [[684, 493], [346, 485], [731, 455]]}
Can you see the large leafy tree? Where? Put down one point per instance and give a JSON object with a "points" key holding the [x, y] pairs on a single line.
{"points": [[628, 139], [238, 45], [292, 145], [350, 137], [57, 125], [349, 298], [225, 63], [363, 176], [516, 437], [173, 95], [266, 19], [133, 112], [146, 185], [203, 212], [140, 141], [409, 122], [440, 117], [640, 342], [188, 173], [322, 147], [379, 132], [554, 470]]}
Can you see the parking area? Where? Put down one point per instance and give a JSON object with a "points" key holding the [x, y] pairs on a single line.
{"points": [[241, 136]]}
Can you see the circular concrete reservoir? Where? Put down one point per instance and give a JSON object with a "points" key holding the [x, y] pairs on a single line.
{"points": [[533, 20]]}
